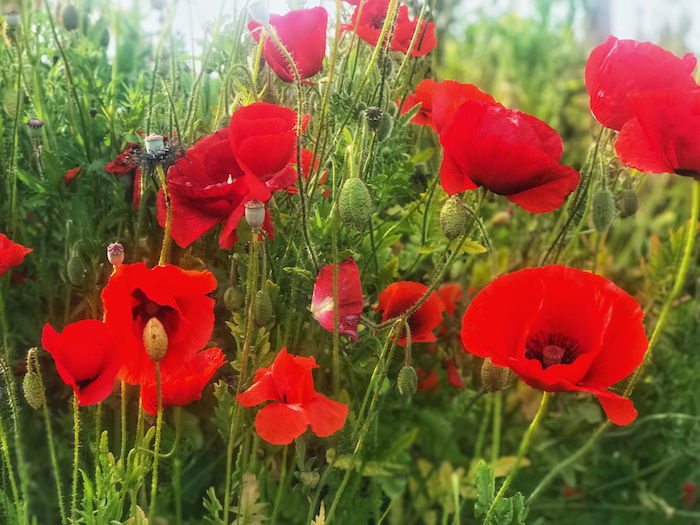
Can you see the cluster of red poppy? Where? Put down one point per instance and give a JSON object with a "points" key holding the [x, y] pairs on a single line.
{"points": [[11, 253], [650, 97], [486, 144]]}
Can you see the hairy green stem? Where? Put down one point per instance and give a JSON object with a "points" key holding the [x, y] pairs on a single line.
{"points": [[156, 446], [76, 460], [165, 248]]}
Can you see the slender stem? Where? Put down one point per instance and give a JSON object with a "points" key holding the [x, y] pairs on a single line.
{"points": [[168, 216], [496, 438], [8, 468], [336, 298], [177, 469], [280, 487], [76, 458], [122, 449], [156, 447], [16, 428], [98, 424], [522, 450]]}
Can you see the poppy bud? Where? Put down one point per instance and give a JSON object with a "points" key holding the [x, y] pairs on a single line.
{"points": [[69, 17], [603, 209], [92, 112], [33, 393], [155, 339], [76, 271], [104, 37], [255, 214], [233, 298], [309, 479], [407, 381], [12, 19], [373, 115], [354, 204], [115, 254], [421, 169], [155, 144], [453, 217], [494, 378], [264, 313], [628, 203], [386, 125], [34, 126]]}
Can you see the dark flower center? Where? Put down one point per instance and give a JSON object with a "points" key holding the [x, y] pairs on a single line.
{"points": [[688, 173], [84, 383], [145, 309], [552, 349], [378, 22]]}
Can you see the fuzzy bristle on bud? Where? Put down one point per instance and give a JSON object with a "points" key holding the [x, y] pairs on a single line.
{"points": [[354, 204], [628, 203], [603, 209], [494, 378], [115, 254], [453, 217], [155, 339], [407, 381], [33, 393], [264, 314], [255, 214], [233, 298], [69, 17], [76, 271], [386, 126]]}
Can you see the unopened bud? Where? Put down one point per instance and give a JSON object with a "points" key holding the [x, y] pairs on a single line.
{"points": [[155, 144], [354, 204], [33, 393], [115, 254], [76, 271], [264, 314], [603, 209], [69, 17], [255, 214], [92, 112], [373, 116], [34, 126], [12, 19], [494, 378], [628, 203], [386, 125], [104, 37], [407, 381], [453, 217], [155, 339], [233, 298]]}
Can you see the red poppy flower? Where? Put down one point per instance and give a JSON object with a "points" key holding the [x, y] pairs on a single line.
{"points": [[307, 161], [121, 165], [428, 381], [288, 382], [263, 140], [86, 356], [11, 253], [399, 297], [451, 294], [560, 329], [349, 298], [177, 298], [303, 33], [372, 14], [453, 376], [663, 135], [617, 68], [508, 152], [187, 385], [75, 173]]}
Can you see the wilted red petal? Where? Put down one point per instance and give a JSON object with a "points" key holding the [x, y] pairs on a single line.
{"points": [[11, 253], [349, 298]]}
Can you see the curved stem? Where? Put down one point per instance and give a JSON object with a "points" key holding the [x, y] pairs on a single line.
{"points": [[522, 450], [168, 216], [156, 446], [76, 458]]}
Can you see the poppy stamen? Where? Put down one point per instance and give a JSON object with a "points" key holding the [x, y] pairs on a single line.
{"points": [[552, 349]]}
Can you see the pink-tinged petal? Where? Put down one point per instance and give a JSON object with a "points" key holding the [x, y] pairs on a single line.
{"points": [[280, 424], [262, 390], [325, 415], [349, 298]]}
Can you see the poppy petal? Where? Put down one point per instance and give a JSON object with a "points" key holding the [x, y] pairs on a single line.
{"points": [[325, 415], [280, 423]]}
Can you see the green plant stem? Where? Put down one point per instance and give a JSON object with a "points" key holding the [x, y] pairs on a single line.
{"points": [[9, 469], [177, 469], [98, 424], [336, 306], [280, 487], [16, 429], [522, 450], [122, 406], [76, 459], [496, 438], [165, 248], [156, 447], [252, 279], [156, 62]]}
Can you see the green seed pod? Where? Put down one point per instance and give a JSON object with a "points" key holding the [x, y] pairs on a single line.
{"points": [[386, 125], [354, 204], [76, 271], [494, 378], [407, 381], [233, 298], [453, 217], [33, 393], [69, 17], [603, 209], [628, 203], [373, 116], [264, 314]]}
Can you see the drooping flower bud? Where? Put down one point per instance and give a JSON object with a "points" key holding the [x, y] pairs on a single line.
{"points": [[494, 378], [407, 381], [628, 203], [69, 17], [33, 393], [386, 125], [264, 314], [155, 144], [34, 126], [255, 214], [373, 116], [115, 254], [603, 209], [354, 204], [453, 217], [233, 298], [155, 339], [76, 271]]}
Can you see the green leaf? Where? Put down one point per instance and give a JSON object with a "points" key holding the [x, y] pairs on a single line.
{"points": [[485, 487], [472, 247]]}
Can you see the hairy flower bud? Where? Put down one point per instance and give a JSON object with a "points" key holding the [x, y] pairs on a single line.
{"points": [[76, 271], [354, 204], [104, 37], [264, 314], [373, 116], [453, 217], [33, 393], [386, 126], [628, 203], [69, 17], [115, 254], [407, 381], [155, 339], [603, 209], [233, 298], [255, 214], [493, 377]]}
